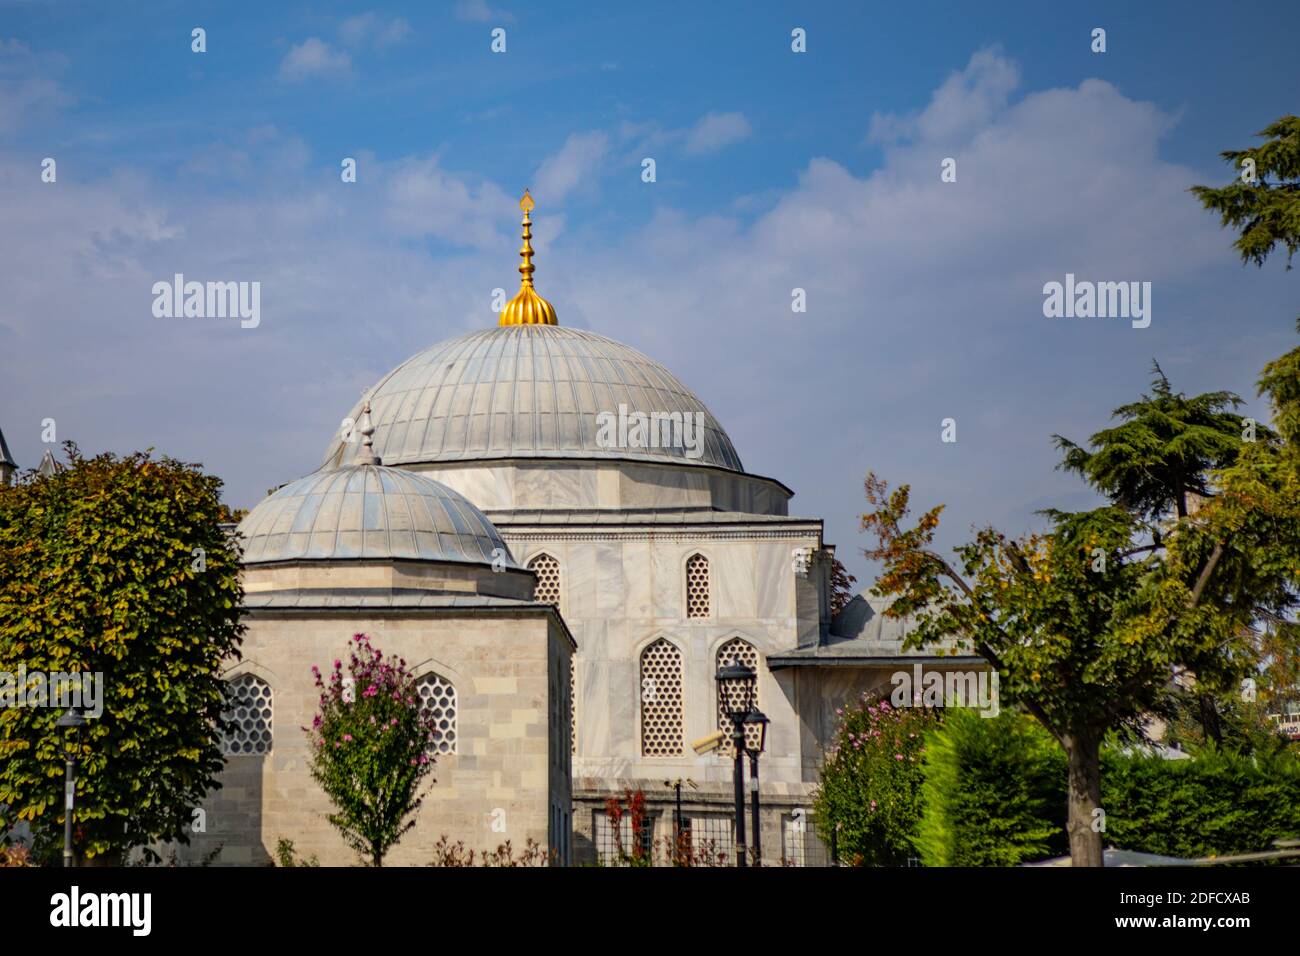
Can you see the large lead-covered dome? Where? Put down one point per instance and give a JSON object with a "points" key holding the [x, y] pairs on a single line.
{"points": [[527, 391]]}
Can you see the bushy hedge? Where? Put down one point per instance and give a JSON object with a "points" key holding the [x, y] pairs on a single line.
{"points": [[995, 795], [1212, 805], [993, 792]]}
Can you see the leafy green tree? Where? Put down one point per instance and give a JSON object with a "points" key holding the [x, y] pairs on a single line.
{"points": [[1164, 449], [1264, 207], [370, 747], [116, 567], [1089, 622], [1163, 453], [1265, 210]]}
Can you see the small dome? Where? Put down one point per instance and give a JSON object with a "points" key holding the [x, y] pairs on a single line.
{"points": [[369, 511]]}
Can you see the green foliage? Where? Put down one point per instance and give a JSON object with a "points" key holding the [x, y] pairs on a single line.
{"points": [[370, 748], [1246, 726], [1165, 448], [117, 566], [869, 794], [1267, 212], [1216, 804], [993, 792], [287, 856], [1087, 622], [994, 795]]}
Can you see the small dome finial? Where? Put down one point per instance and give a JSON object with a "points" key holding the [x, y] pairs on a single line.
{"points": [[365, 427], [527, 307]]}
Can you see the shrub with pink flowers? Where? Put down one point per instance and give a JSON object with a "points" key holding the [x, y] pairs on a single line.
{"points": [[371, 748], [869, 800]]}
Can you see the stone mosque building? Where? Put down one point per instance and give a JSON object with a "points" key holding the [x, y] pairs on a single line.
{"points": [[565, 591]]}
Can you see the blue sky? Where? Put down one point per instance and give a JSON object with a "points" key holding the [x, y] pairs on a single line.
{"points": [[775, 170]]}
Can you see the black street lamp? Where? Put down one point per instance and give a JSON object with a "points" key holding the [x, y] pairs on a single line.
{"points": [[757, 718], [736, 684], [70, 723]]}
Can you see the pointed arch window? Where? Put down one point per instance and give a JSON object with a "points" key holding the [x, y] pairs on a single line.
{"points": [[438, 697], [661, 700], [547, 569], [248, 715], [735, 651], [697, 586]]}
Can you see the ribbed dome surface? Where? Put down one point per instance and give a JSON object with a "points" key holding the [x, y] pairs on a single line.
{"points": [[526, 391], [369, 511]]}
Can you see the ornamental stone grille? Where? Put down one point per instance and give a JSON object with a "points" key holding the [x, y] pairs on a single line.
{"points": [[438, 697], [547, 570], [731, 693], [713, 837], [697, 586], [661, 700], [248, 706]]}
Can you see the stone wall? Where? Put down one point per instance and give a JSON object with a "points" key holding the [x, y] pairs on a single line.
{"points": [[502, 782]]}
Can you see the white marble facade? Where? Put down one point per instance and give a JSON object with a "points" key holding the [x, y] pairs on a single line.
{"points": [[504, 423]]}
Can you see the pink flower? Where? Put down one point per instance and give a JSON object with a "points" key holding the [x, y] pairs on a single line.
{"points": [[898, 756], [347, 738]]}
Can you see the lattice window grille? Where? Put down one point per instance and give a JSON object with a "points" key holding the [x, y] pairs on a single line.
{"points": [[800, 845], [713, 837], [697, 586], [438, 697], [607, 846], [547, 570], [661, 700], [731, 694], [248, 705]]}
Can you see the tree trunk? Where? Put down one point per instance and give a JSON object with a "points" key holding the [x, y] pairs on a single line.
{"points": [[1210, 725], [1083, 755]]}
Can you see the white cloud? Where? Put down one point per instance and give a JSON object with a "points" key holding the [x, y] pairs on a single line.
{"points": [[28, 86], [924, 300], [371, 29], [421, 198], [479, 11], [716, 131], [575, 162], [314, 57], [967, 101]]}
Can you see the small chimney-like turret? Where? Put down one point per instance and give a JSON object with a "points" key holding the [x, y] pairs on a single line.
{"points": [[8, 467]]}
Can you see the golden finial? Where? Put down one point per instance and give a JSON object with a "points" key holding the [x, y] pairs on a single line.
{"points": [[527, 307]]}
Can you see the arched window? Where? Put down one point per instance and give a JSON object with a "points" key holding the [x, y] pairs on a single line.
{"points": [[735, 651], [248, 711], [547, 570], [438, 697], [661, 700], [697, 586]]}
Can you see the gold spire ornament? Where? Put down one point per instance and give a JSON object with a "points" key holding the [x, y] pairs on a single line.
{"points": [[527, 307]]}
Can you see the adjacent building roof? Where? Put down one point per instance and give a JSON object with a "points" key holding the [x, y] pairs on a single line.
{"points": [[5, 457], [862, 635]]}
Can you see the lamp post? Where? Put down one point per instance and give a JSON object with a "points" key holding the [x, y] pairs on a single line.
{"points": [[736, 698], [758, 718], [70, 723]]}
